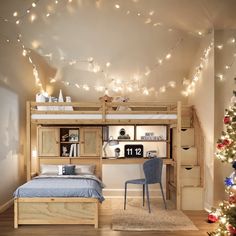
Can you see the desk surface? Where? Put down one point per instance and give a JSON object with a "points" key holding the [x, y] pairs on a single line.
{"points": [[166, 161]]}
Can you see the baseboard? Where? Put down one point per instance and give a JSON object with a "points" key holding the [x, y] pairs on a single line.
{"points": [[6, 205]]}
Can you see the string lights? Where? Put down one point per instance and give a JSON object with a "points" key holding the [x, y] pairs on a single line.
{"points": [[231, 41], [114, 85], [25, 51], [190, 85]]}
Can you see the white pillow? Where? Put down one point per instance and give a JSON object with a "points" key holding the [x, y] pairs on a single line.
{"points": [[84, 169], [48, 169]]}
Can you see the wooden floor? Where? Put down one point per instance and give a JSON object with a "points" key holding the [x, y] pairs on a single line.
{"points": [[6, 226]]}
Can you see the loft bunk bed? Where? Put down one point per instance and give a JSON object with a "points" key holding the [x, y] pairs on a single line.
{"points": [[93, 114]]}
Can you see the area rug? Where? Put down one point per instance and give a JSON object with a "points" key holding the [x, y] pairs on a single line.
{"points": [[137, 218]]}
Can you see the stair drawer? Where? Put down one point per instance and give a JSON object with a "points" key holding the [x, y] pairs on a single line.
{"points": [[187, 137], [190, 175]]}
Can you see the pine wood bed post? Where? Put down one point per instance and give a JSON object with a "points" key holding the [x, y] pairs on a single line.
{"points": [[28, 141], [15, 213], [178, 157]]}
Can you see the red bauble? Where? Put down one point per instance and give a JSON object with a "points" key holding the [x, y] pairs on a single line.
{"points": [[226, 142], [232, 230], [226, 120], [212, 218], [232, 199], [220, 145]]}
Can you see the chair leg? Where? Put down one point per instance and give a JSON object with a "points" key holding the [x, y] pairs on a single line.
{"points": [[163, 196], [143, 194], [125, 196], [148, 200]]}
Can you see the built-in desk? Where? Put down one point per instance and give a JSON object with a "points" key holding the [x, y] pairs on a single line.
{"points": [[166, 161], [123, 161]]}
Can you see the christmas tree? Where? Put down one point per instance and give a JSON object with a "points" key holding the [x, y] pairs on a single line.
{"points": [[226, 152]]}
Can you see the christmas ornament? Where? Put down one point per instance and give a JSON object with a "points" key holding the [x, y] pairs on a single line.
{"points": [[212, 217]]}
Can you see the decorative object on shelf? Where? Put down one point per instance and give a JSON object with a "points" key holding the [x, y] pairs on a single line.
{"points": [[134, 150], [60, 98], [117, 152], [64, 137], [151, 153], [123, 134], [110, 142], [64, 151], [151, 136], [122, 99], [106, 98], [68, 108], [73, 135], [41, 98], [73, 152]]}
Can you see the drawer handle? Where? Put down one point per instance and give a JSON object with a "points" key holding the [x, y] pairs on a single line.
{"points": [[188, 168], [185, 148], [183, 129]]}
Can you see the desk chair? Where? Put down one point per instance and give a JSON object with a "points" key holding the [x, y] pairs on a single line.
{"points": [[152, 171]]}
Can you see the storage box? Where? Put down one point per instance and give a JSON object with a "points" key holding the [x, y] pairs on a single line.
{"points": [[190, 176], [192, 198], [187, 137]]}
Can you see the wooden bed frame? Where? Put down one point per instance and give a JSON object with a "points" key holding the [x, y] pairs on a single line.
{"points": [[84, 210]]}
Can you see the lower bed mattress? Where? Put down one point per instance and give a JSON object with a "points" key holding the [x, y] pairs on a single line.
{"points": [[86, 186]]}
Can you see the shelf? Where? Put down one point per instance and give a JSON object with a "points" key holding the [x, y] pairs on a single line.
{"points": [[77, 157], [140, 140], [72, 142]]}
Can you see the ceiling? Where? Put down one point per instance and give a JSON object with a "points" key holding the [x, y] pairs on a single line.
{"points": [[120, 47]]}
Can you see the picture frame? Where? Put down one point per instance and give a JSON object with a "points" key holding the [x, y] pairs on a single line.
{"points": [[73, 135]]}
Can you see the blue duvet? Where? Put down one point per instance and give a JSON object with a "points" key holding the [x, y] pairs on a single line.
{"points": [[62, 186]]}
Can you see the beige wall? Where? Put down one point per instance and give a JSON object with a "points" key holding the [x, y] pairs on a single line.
{"points": [[16, 84], [203, 101]]}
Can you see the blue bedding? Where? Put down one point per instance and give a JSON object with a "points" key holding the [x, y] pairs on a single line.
{"points": [[62, 186]]}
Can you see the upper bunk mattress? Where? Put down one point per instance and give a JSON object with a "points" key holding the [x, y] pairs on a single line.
{"points": [[99, 116]]}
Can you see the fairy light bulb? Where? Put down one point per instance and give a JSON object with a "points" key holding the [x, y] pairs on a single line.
{"points": [[160, 61], [32, 17], [151, 13], [15, 14], [172, 84], [33, 4], [148, 21], [77, 86], [108, 64], [145, 91], [18, 22], [86, 87], [168, 56], [220, 46], [117, 6], [162, 89], [24, 52]]}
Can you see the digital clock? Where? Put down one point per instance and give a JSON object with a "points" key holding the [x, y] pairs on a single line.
{"points": [[134, 150]]}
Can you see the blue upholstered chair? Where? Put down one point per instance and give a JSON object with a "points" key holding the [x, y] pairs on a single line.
{"points": [[152, 171]]}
